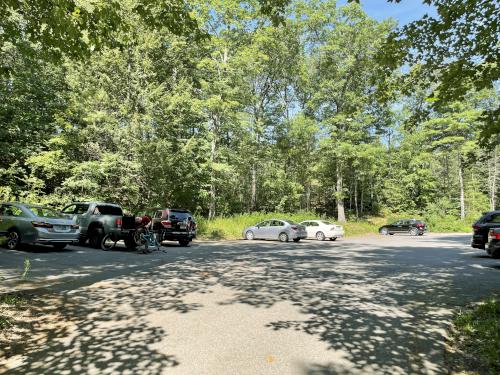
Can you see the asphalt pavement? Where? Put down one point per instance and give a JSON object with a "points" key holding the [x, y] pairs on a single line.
{"points": [[368, 305]]}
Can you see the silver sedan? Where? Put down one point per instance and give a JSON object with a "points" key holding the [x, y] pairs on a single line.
{"points": [[276, 229], [28, 224]]}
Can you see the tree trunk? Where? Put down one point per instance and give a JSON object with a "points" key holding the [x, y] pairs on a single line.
{"points": [[340, 198], [253, 202], [212, 195], [493, 172], [362, 201], [356, 196], [308, 197], [461, 183]]}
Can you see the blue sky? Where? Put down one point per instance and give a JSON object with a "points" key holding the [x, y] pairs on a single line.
{"points": [[404, 12]]}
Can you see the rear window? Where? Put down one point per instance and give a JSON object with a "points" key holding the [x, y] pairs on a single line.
{"points": [[179, 215], [45, 212], [108, 210]]}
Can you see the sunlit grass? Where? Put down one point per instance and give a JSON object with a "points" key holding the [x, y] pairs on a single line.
{"points": [[478, 329]]}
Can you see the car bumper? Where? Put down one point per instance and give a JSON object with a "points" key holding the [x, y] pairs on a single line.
{"points": [[478, 242], [298, 234], [335, 233], [46, 237]]}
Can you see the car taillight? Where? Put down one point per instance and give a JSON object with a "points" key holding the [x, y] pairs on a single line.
{"points": [[420, 225], [74, 226], [41, 224], [118, 222], [166, 224], [294, 227], [475, 227], [494, 234]]}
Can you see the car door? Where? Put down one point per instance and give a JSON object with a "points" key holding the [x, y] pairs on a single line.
{"points": [[396, 226], [262, 230], [312, 229], [3, 221], [277, 226], [405, 225]]}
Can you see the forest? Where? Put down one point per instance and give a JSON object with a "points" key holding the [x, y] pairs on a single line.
{"points": [[229, 107]]}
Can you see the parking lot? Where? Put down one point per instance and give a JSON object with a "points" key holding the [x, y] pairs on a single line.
{"points": [[375, 304]]}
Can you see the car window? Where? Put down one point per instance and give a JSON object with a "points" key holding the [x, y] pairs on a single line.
{"points": [[263, 224], [13, 211], [277, 223], [108, 210], [495, 218], [179, 215], [314, 224], [81, 209], [397, 223], [45, 212], [158, 214], [69, 210]]}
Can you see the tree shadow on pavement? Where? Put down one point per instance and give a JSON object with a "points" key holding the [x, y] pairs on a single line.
{"points": [[383, 309]]}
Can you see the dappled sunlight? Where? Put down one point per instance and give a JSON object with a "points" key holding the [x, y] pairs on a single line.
{"points": [[264, 307]]}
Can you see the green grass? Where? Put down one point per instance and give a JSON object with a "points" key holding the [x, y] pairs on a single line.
{"points": [[231, 227], [478, 332]]}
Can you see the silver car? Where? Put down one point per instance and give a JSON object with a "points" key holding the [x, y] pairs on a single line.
{"points": [[27, 224], [276, 229]]}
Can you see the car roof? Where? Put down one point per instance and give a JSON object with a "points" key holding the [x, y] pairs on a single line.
{"points": [[99, 203]]}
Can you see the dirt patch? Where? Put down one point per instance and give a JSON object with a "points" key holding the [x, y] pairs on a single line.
{"points": [[30, 320]]}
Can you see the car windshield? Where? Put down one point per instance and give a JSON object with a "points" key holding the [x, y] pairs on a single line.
{"points": [[326, 222], [179, 215], [45, 212]]}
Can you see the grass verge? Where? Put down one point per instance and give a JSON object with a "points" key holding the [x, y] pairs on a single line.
{"points": [[474, 345]]}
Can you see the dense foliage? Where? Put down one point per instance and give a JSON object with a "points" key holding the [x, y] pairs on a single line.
{"points": [[255, 115]]}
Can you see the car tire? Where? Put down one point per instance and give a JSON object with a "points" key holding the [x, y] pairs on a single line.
{"points": [[283, 237], [296, 239], [59, 246], [384, 231], [95, 238], [249, 235], [495, 254], [107, 243], [413, 232], [333, 238], [13, 239], [184, 243], [82, 241], [320, 236], [421, 234]]}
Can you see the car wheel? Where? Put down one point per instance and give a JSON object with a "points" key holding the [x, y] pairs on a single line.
{"points": [[283, 237], [384, 231], [184, 243], [320, 236], [421, 234], [59, 246], [13, 239], [413, 231], [333, 238], [296, 239], [82, 241], [249, 235]]}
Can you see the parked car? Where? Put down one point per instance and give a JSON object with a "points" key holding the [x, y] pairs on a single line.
{"points": [[96, 219], [174, 224], [411, 226], [482, 227], [276, 229], [493, 245], [29, 224], [321, 229]]}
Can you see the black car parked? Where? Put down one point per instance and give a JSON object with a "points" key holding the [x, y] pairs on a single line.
{"points": [[411, 226], [482, 227], [493, 245], [174, 224]]}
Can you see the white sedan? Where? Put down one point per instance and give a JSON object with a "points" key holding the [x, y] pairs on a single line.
{"points": [[321, 229]]}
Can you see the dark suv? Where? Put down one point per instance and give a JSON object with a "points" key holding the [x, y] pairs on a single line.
{"points": [[411, 226], [481, 228], [175, 224]]}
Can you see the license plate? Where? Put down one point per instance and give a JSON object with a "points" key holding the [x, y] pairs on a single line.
{"points": [[182, 226], [61, 228]]}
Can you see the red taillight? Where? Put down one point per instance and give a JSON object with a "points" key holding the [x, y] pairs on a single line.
{"points": [[420, 225], [494, 234], [166, 224], [118, 222], [41, 224]]}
